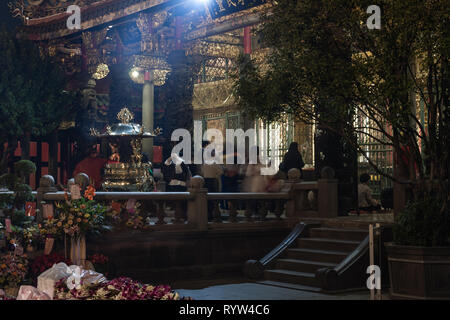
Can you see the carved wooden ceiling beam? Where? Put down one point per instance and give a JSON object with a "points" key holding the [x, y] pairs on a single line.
{"points": [[93, 15]]}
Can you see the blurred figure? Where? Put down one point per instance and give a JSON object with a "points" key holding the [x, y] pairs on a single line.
{"points": [[276, 182], [254, 181], [92, 165], [292, 159], [365, 200]]}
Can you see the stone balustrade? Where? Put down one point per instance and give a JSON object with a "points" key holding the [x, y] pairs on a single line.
{"points": [[296, 199]]}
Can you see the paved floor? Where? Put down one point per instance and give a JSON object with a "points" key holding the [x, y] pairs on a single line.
{"points": [[255, 291]]}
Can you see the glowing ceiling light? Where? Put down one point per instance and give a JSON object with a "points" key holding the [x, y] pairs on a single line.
{"points": [[135, 73]]}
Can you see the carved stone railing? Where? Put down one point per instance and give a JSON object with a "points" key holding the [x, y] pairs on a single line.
{"points": [[317, 199], [255, 206], [296, 199]]}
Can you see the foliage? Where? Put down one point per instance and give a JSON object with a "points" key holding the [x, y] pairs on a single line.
{"points": [[14, 205], [9, 180], [13, 269], [117, 289], [422, 224], [325, 64], [33, 98], [24, 168]]}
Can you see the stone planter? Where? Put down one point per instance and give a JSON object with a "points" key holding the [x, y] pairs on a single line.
{"points": [[419, 272]]}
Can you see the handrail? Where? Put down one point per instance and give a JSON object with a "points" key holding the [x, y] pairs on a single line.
{"points": [[352, 257], [59, 196], [34, 193], [306, 186], [329, 276], [272, 255], [255, 268], [248, 195]]}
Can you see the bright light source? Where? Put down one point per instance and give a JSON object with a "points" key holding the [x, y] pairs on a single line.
{"points": [[135, 73]]}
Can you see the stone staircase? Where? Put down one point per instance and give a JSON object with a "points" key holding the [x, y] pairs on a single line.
{"points": [[325, 246]]}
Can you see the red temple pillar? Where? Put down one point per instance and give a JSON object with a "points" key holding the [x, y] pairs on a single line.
{"points": [[247, 40]]}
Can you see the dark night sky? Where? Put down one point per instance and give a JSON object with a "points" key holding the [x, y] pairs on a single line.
{"points": [[5, 16]]}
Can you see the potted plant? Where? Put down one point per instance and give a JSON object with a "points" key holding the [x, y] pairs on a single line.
{"points": [[419, 257]]}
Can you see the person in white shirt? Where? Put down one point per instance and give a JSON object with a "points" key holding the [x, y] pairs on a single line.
{"points": [[365, 200]]}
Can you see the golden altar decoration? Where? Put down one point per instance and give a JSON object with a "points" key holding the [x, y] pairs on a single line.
{"points": [[133, 175]]}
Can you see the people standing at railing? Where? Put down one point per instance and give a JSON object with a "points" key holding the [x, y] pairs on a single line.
{"points": [[176, 174], [254, 181], [292, 159], [211, 173], [230, 176], [365, 200]]}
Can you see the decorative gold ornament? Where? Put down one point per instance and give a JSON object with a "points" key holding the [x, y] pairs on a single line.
{"points": [[101, 72], [154, 64], [125, 115]]}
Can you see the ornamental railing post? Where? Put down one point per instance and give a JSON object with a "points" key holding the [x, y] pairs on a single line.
{"points": [[327, 194], [294, 176], [46, 185], [197, 212]]}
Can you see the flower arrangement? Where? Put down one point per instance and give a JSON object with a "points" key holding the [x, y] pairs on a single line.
{"points": [[44, 262], [120, 215], [13, 270], [31, 235], [117, 289], [77, 217]]}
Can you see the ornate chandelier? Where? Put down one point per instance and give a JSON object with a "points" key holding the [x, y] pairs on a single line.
{"points": [[156, 65]]}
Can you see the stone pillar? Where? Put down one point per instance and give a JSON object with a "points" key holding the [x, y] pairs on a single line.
{"points": [[294, 175], [327, 194], [46, 185], [197, 214], [148, 109]]}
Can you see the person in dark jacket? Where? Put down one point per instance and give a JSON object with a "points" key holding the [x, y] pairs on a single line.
{"points": [[292, 159], [176, 173]]}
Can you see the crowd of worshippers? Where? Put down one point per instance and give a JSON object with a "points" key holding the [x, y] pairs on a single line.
{"points": [[231, 176]]}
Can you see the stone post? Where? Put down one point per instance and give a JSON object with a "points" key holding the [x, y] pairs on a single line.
{"points": [[46, 185], [197, 214], [82, 179], [293, 178], [327, 194]]}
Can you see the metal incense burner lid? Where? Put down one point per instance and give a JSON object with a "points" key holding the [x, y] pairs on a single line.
{"points": [[126, 128]]}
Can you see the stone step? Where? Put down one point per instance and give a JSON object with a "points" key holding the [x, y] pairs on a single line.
{"points": [[294, 277], [302, 265], [316, 255], [327, 244], [338, 233], [289, 285]]}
